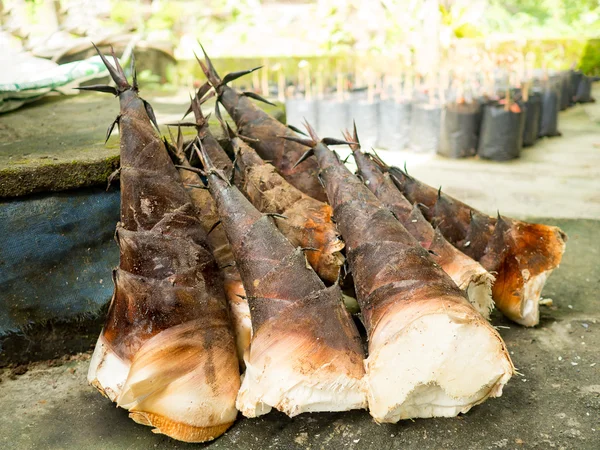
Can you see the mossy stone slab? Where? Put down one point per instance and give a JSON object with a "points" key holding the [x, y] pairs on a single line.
{"points": [[58, 143]]}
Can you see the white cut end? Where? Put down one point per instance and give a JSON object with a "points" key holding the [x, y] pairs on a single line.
{"points": [[479, 293], [183, 384], [438, 365], [107, 371], [292, 379], [530, 299], [474, 280], [242, 325]]}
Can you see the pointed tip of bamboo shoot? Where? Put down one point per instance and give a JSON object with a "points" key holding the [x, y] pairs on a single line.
{"points": [[107, 371], [436, 363]]}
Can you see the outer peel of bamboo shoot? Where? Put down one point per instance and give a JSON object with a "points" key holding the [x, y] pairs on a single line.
{"points": [[107, 371], [166, 390], [219, 245], [307, 377], [424, 336], [308, 221], [167, 322], [253, 122], [468, 274], [521, 255], [305, 353], [519, 252]]}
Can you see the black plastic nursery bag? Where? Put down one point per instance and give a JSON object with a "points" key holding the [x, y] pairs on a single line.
{"points": [[501, 135], [394, 123], [424, 127], [459, 130]]}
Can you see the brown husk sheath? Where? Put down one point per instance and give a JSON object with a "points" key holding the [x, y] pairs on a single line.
{"points": [[167, 335], [253, 122], [468, 274], [305, 353], [219, 246], [306, 222], [430, 352], [520, 254]]}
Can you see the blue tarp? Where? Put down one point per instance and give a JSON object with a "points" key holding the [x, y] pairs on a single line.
{"points": [[57, 253]]}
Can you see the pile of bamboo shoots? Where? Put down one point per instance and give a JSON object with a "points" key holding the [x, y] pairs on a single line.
{"points": [[239, 263]]}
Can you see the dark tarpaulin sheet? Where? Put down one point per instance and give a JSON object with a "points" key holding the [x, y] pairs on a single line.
{"points": [[57, 253]]}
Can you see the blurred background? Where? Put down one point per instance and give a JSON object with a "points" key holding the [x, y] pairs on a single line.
{"points": [[316, 38]]}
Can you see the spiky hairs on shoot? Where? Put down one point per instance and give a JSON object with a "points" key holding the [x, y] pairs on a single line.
{"points": [[215, 80]]}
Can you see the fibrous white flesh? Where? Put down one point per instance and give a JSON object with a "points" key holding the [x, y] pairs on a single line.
{"points": [[479, 292], [107, 371], [288, 379], [438, 365], [532, 291], [242, 325], [183, 378], [477, 283]]}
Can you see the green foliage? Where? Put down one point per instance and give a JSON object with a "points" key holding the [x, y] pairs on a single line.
{"points": [[590, 60], [166, 16], [559, 53], [462, 18], [544, 18], [122, 12]]}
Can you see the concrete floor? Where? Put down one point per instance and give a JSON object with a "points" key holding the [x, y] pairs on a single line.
{"points": [[553, 403], [558, 177]]}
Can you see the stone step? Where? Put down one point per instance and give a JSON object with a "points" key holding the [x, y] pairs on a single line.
{"points": [[58, 143]]}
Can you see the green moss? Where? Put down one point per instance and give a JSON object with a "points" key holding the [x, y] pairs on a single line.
{"points": [[60, 161], [27, 179]]}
